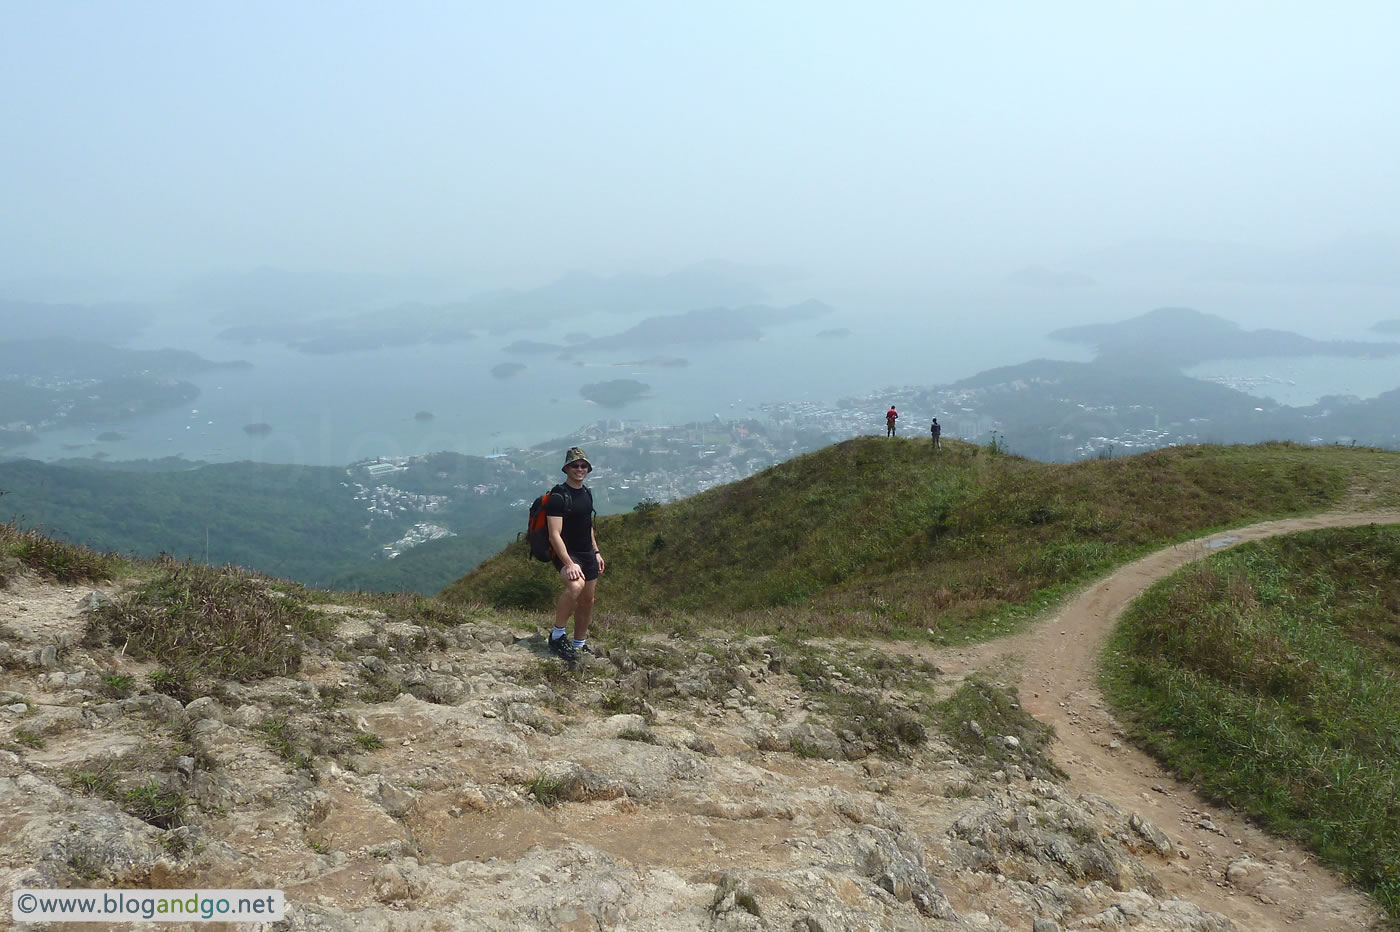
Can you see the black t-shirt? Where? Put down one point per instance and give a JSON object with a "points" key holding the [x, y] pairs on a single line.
{"points": [[578, 519]]}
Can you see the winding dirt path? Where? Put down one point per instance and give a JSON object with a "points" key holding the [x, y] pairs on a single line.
{"points": [[1055, 662]]}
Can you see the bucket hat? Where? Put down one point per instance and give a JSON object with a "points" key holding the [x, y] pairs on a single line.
{"points": [[573, 456]]}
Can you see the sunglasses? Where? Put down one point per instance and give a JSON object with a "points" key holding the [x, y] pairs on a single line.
{"points": [[578, 466]]}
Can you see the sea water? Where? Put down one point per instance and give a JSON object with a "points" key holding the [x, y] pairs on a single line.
{"points": [[347, 407], [342, 408]]}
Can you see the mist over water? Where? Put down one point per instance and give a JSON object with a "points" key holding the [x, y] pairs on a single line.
{"points": [[337, 409]]}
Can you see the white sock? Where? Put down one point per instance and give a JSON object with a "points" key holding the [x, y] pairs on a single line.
{"points": [[578, 643], [557, 633]]}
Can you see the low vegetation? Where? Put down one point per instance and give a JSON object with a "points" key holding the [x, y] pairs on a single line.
{"points": [[135, 783], [875, 537], [54, 559], [1268, 676], [986, 721], [855, 693], [204, 623]]}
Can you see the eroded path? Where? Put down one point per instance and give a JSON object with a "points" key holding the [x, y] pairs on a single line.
{"points": [[1054, 663]]}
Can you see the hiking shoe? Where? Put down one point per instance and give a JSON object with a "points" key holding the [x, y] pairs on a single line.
{"points": [[587, 651], [563, 648]]}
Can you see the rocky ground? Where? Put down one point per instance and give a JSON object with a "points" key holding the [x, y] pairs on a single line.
{"points": [[415, 777]]}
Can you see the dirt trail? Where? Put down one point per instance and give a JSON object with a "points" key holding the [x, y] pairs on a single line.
{"points": [[1054, 663]]}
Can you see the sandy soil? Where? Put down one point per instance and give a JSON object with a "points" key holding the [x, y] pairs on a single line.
{"points": [[1054, 664]]}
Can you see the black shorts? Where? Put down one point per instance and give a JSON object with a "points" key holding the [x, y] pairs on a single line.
{"points": [[587, 561]]}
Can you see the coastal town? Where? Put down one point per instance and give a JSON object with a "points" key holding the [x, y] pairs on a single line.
{"points": [[637, 462]]}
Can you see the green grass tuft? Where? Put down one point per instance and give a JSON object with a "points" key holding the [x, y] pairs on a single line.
{"points": [[548, 791], [29, 739]]}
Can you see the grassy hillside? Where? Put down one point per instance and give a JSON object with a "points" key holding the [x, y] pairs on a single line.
{"points": [[887, 537], [1269, 677]]}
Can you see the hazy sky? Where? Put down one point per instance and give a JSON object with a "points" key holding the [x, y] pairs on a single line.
{"points": [[504, 143]]}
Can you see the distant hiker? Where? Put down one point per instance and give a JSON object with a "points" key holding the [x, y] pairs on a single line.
{"points": [[936, 432], [570, 520], [890, 417]]}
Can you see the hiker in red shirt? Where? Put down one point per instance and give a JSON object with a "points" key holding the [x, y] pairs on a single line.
{"points": [[890, 417]]}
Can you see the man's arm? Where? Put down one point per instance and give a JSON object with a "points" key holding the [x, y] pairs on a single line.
{"points": [[555, 523]]}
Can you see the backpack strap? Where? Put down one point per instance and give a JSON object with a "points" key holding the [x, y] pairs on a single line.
{"points": [[563, 489]]}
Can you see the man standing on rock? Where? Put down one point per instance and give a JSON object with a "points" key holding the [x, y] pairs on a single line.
{"points": [[569, 517]]}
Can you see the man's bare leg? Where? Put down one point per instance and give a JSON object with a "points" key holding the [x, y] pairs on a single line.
{"points": [[583, 610], [568, 601]]}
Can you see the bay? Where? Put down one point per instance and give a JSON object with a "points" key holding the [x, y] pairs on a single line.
{"points": [[344, 408]]}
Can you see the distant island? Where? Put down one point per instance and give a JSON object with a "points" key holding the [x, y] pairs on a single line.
{"points": [[423, 417], [707, 284], [615, 393], [67, 358], [532, 347], [710, 325], [1179, 337], [110, 436], [658, 362], [505, 370], [1387, 326], [259, 429], [58, 382]]}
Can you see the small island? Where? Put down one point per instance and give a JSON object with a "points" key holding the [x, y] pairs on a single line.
{"points": [[1178, 337], [505, 370], [259, 429], [659, 362], [615, 393], [110, 436], [532, 346], [707, 326], [423, 417]]}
